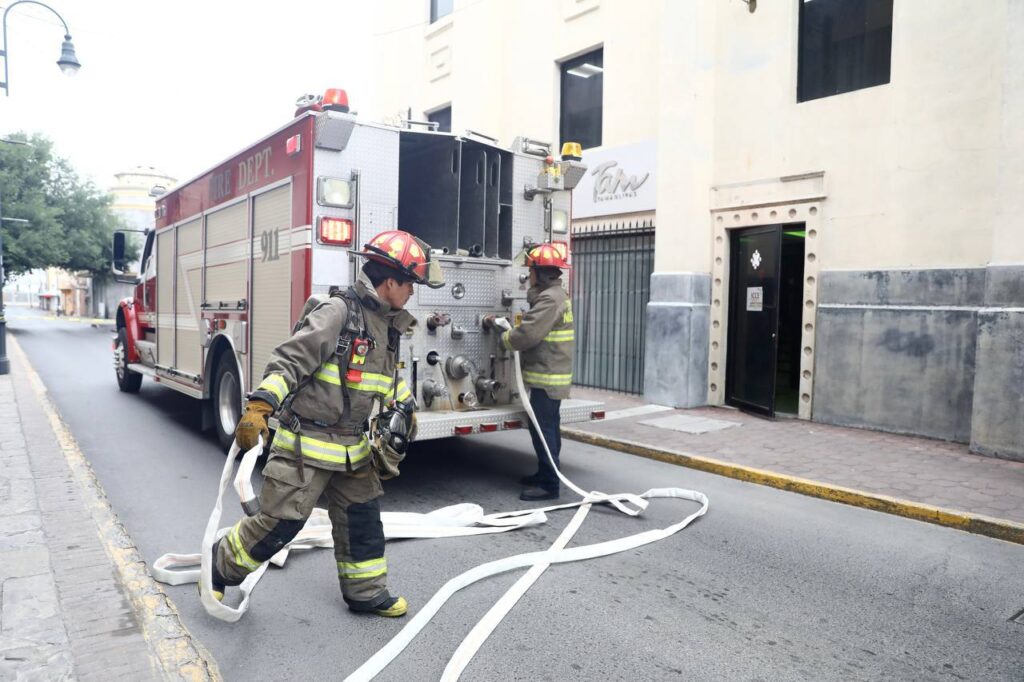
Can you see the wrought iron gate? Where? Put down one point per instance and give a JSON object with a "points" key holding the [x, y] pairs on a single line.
{"points": [[611, 285]]}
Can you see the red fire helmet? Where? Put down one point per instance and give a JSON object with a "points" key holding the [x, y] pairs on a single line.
{"points": [[554, 255], [405, 253]]}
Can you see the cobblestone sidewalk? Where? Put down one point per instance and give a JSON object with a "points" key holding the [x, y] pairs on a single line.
{"points": [[64, 610]]}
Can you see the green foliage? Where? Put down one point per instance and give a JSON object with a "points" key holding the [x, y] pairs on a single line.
{"points": [[70, 221]]}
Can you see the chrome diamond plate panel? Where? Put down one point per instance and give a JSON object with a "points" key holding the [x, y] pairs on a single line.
{"points": [[442, 424]]}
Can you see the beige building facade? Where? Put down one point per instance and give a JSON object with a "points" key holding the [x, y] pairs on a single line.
{"points": [[867, 195]]}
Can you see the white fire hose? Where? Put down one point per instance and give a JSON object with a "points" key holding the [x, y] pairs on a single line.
{"points": [[456, 520]]}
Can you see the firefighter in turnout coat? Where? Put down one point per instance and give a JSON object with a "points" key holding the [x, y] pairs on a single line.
{"points": [[322, 383], [546, 340]]}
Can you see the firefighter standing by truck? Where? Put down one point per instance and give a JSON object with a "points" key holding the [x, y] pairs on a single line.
{"points": [[546, 340], [323, 383]]}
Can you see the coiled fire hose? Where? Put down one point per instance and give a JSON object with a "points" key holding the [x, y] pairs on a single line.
{"points": [[456, 520]]}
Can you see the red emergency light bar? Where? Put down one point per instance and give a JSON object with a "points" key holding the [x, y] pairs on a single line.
{"points": [[597, 414], [487, 428], [335, 231], [335, 99], [463, 430], [513, 424]]}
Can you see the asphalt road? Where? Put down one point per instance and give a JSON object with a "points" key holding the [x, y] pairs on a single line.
{"points": [[769, 585]]}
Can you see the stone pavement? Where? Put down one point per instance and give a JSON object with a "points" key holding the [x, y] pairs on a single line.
{"points": [[65, 612], [917, 477]]}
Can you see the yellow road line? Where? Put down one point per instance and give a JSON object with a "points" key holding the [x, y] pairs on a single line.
{"points": [[1002, 529], [179, 654]]}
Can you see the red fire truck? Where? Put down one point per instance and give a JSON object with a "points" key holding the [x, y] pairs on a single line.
{"points": [[235, 253]]}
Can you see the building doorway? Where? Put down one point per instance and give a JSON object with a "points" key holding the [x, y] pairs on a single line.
{"points": [[765, 318]]}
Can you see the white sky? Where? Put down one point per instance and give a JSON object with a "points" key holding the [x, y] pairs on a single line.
{"points": [[177, 85]]}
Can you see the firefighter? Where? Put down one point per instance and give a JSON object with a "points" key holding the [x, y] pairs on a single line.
{"points": [[323, 383], [545, 339]]}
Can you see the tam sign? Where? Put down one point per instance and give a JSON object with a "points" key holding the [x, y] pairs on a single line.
{"points": [[618, 180]]}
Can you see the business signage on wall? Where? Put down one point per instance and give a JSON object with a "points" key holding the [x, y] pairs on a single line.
{"points": [[618, 180]]}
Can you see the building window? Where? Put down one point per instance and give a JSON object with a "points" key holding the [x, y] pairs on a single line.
{"points": [[440, 9], [443, 119], [582, 93], [845, 45]]}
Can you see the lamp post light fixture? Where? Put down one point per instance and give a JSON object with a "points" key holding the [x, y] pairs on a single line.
{"points": [[68, 62]]}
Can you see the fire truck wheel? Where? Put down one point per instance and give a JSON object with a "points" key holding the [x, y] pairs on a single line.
{"points": [[127, 380], [227, 401]]}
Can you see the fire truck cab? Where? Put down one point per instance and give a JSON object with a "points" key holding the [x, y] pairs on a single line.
{"points": [[235, 253]]}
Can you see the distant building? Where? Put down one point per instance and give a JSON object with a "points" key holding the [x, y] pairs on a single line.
{"points": [[134, 203], [132, 191]]}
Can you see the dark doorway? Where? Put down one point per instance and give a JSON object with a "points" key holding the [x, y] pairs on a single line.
{"points": [[791, 284], [765, 294]]}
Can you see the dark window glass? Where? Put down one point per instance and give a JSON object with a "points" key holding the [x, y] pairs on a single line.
{"points": [[439, 9], [845, 45], [582, 93], [443, 119]]}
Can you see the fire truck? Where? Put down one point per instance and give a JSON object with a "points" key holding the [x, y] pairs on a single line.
{"points": [[235, 253]]}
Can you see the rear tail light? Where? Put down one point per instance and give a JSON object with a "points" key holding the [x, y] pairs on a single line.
{"points": [[487, 428], [513, 424], [463, 430], [599, 414], [335, 231]]}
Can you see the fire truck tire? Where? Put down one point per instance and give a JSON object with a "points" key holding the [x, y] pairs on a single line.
{"points": [[227, 400], [127, 380]]}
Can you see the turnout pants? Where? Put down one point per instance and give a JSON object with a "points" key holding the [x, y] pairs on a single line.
{"points": [[549, 417], [285, 504]]}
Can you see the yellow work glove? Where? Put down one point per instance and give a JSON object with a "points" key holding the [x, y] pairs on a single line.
{"points": [[412, 428], [253, 424]]}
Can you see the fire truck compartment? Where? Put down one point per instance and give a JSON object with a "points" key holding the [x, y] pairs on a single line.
{"points": [[456, 193]]}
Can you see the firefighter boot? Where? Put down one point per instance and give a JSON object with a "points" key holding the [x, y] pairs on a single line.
{"points": [[218, 582], [531, 480], [538, 494], [386, 605]]}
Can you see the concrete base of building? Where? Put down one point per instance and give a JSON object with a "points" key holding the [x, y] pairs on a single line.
{"points": [[937, 353], [678, 319], [997, 418]]}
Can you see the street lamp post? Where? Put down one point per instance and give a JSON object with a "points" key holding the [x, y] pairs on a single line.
{"points": [[5, 365], [68, 62]]}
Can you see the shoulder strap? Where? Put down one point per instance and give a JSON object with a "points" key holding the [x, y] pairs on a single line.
{"points": [[353, 325]]}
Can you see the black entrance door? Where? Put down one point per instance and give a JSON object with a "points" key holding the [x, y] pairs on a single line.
{"points": [[753, 318]]}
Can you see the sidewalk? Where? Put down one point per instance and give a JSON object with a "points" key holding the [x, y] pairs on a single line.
{"points": [[919, 478], [23, 313], [64, 561]]}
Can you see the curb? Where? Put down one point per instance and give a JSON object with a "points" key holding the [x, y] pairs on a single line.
{"points": [[178, 654], [978, 524]]}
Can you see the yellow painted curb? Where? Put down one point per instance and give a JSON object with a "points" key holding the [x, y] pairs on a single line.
{"points": [[179, 655], [1009, 531]]}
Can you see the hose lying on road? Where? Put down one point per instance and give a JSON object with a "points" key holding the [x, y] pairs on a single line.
{"points": [[457, 520]]}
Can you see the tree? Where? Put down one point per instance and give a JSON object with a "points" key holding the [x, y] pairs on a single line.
{"points": [[24, 174], [88, 221], [69, 220]]}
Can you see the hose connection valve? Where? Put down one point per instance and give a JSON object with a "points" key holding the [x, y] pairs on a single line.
{"points": [[435, 320], [431, 390]]}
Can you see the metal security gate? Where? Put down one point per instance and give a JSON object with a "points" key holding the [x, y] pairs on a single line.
{"points": [[611, 285]]}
